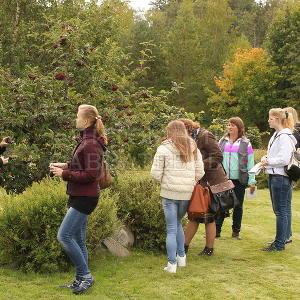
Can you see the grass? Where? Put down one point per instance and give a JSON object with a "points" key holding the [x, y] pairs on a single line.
{"points": [[239, 270]]}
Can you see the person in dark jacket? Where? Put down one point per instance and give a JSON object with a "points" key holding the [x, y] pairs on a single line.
{"points": [[6, 141], [82, 175], [214, 174]]}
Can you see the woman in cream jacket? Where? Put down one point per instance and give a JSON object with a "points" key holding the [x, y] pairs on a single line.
{"points": [[178, 167]]}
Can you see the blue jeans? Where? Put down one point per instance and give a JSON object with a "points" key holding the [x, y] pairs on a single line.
{"points": [[72, 237], [174, 212], [281, 195]]}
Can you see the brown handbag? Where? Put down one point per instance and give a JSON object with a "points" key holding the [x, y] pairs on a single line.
{"points": [[199, 203], [105, 177]]}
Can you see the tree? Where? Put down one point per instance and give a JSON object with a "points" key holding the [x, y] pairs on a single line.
{"points": [[248, 88], [284, 44]]}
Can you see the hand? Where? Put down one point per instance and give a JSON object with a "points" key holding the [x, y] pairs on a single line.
{"points": [[263, 163], [252, 188], [4, 160], [4, 142], [56, 171], [59, 165]]}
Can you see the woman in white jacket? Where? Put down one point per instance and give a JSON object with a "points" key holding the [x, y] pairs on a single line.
{"points": [[178, 167], [280, 149]]}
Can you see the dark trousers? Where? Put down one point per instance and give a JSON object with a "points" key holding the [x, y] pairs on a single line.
{"points": [[237, 214]]}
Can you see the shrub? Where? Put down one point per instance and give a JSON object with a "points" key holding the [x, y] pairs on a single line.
{"points": [[140, 209], [254, 135], [29, 224]]}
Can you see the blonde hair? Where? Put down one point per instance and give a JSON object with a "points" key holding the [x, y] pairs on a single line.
{"points": [[91, 113], [189, 124], [182, 141], [294, 113], [285, 118]]}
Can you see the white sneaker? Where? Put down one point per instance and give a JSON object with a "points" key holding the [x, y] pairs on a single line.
{"points": [[171, 268], [181, 261]]}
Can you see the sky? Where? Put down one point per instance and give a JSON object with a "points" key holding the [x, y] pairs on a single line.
{"points": [[140, 4]]}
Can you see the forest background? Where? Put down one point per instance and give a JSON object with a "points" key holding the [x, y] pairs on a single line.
{"points": [[205, 59]]}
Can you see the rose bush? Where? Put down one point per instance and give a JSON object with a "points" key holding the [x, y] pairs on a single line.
{"points": [[40, 106]]}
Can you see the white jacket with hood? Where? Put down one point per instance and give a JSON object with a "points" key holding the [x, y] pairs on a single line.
{"points": [[177, 178], [280, 149]]}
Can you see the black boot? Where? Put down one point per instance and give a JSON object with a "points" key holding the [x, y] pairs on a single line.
{"points": [[207, 251], [186, 248]]}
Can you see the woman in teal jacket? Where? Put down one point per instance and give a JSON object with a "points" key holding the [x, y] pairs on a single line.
{"points": [[238, 159]]}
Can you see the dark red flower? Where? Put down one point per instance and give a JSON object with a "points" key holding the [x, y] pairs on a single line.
{"points": [[32, 76], [37, 119], [69, 127], [70, 83], [125, 140], [55, 46], [115, 88], [125, 106], [104, 120], [63, 41], [60, 76], [92, 49], [20, 100]]}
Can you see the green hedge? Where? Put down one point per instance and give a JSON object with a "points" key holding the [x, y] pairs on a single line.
{"points": [[29, 224], [139, 207]]}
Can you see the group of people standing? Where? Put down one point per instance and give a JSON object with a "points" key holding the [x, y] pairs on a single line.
{"points": [[179, 166], [189, 154]]}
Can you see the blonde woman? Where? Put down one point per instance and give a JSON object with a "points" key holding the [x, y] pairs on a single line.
{"points": [[280, 149], [178, 167], [296, 122], [82, 175]]}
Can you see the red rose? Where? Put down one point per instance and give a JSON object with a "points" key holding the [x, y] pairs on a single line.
{"points": [[114, 88], [55, 46], [37, 119], [69, 127], [32, 76], [104, 120], [60, 76], [126, 140]]}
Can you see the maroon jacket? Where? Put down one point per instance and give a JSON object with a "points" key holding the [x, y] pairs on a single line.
{"points": [[84, 169]]}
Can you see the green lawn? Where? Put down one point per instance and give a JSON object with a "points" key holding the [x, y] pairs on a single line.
{"points": [[239, 270]]}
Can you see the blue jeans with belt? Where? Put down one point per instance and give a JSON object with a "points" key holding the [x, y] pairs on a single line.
{"points": [[174, 212], [72, 237], [281, 196]]}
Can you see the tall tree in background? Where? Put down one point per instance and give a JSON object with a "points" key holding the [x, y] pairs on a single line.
{"points": [[283, 45]]}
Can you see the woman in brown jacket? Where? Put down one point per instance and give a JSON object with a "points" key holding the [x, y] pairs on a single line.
{"points": [[214, 174]]}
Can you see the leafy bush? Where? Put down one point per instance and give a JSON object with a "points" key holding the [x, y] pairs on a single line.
{"points": [[29, 223], [140, 209], [254, 135]]}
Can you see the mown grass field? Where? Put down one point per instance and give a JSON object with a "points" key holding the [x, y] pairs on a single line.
{"points": [[239, 270]]}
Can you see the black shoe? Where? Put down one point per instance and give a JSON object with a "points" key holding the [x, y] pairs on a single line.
{"points": [[83, 286], [272, 248], [186, 248], [71, 285], [287, 241], [207, 251]]}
